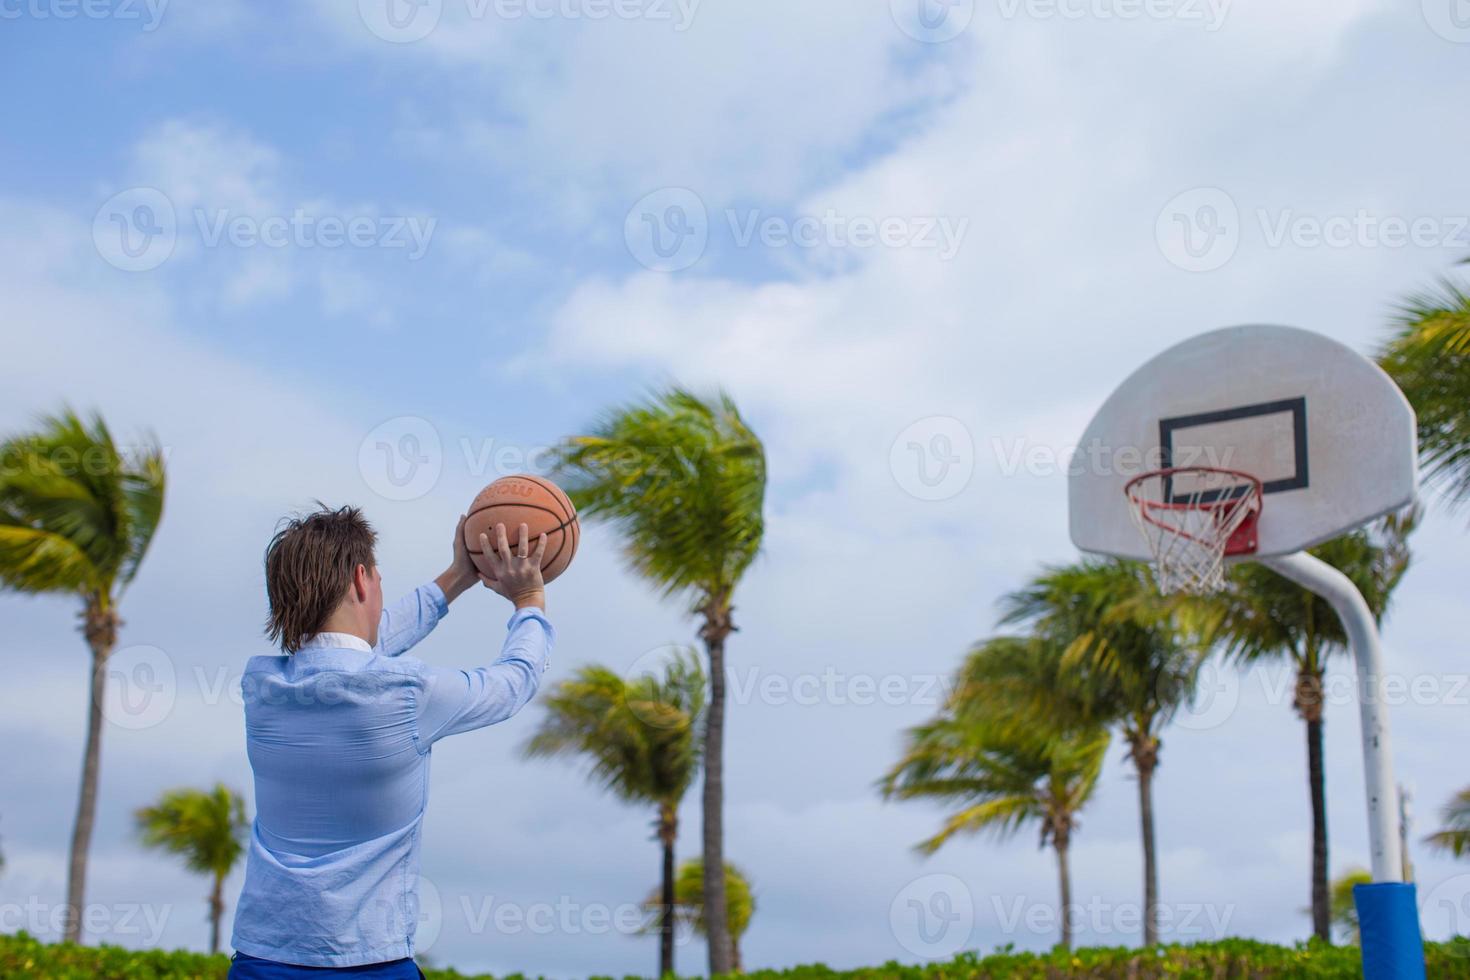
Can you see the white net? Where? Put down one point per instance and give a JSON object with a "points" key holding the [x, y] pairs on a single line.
{"points": [[1192, 517]]}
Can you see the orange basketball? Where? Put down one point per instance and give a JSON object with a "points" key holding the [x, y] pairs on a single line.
{"points": [[530, 500]]}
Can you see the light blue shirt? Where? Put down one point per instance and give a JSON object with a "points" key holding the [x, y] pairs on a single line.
{"points": [[339, 736]]}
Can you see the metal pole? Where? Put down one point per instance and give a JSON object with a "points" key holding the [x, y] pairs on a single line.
{"points": [[1317, 576]]}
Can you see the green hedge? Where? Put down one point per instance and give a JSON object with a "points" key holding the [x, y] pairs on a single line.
{"points": [[23, 956]]}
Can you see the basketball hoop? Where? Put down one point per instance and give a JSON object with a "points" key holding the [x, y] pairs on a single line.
{"points": [[1193, 517]]}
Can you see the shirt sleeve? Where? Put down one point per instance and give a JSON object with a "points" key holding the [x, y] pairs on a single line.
{"points": [[463, 700], [410, 619]]}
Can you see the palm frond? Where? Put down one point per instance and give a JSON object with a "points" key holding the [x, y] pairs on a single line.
{"points": [[76, 514], [683, 478], [1009, 745], [1428, 355], [206, 828], [740, 901], [637, 737], [1455, 837]]}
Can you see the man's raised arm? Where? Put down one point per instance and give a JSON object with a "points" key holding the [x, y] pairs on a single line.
{"points": [[464, 700]]}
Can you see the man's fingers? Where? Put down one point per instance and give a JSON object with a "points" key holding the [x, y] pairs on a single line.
{"points": [[489, 552], [540, 550], [502, 544], [525, 546]]}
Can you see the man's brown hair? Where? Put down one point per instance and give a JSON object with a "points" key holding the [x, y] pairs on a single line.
{"points": [[308, 569]]}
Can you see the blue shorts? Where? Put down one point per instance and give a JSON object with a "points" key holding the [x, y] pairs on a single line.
{"points": [[244, 967]]}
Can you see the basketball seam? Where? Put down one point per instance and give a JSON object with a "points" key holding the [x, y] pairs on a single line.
{"points": [[556, 494], [563, 526]]}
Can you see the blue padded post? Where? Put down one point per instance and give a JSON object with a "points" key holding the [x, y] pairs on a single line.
{"points": [[1388, 922]]}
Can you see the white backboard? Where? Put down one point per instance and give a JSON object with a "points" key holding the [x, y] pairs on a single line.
{"points": [[1330, 436]]}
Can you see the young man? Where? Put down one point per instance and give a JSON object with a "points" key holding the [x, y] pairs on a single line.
{"points": [[339, 730]]}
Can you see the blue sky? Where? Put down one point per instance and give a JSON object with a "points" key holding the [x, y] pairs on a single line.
{"points": [[1020, 179]]}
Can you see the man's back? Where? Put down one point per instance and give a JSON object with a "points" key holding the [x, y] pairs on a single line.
{"points": [[339, 738]]}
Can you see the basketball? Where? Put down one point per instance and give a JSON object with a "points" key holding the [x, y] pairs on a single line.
{"points": [[530, 500]]}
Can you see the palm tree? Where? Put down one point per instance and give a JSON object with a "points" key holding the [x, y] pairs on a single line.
{"points": [[1429, 356], [1455, 837], [1344, 907], [1262, 616], [1124, 659], [684, 480], [640, 737], [1002, 766], [207, 829], [76, 517], [739, 904]]}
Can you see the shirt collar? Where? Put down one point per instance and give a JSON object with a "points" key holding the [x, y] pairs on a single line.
{"points": [[335, 641]]}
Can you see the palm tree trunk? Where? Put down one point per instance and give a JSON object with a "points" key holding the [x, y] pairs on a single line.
{"points": [[717, 927], [1308, 705], [1321, 904], [100, 624], [1145, 752], [1064, 890], [667, 832], [216, 911]]}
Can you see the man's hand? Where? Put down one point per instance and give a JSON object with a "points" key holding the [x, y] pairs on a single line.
{"points": [[461, 573], [516, 576]]}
